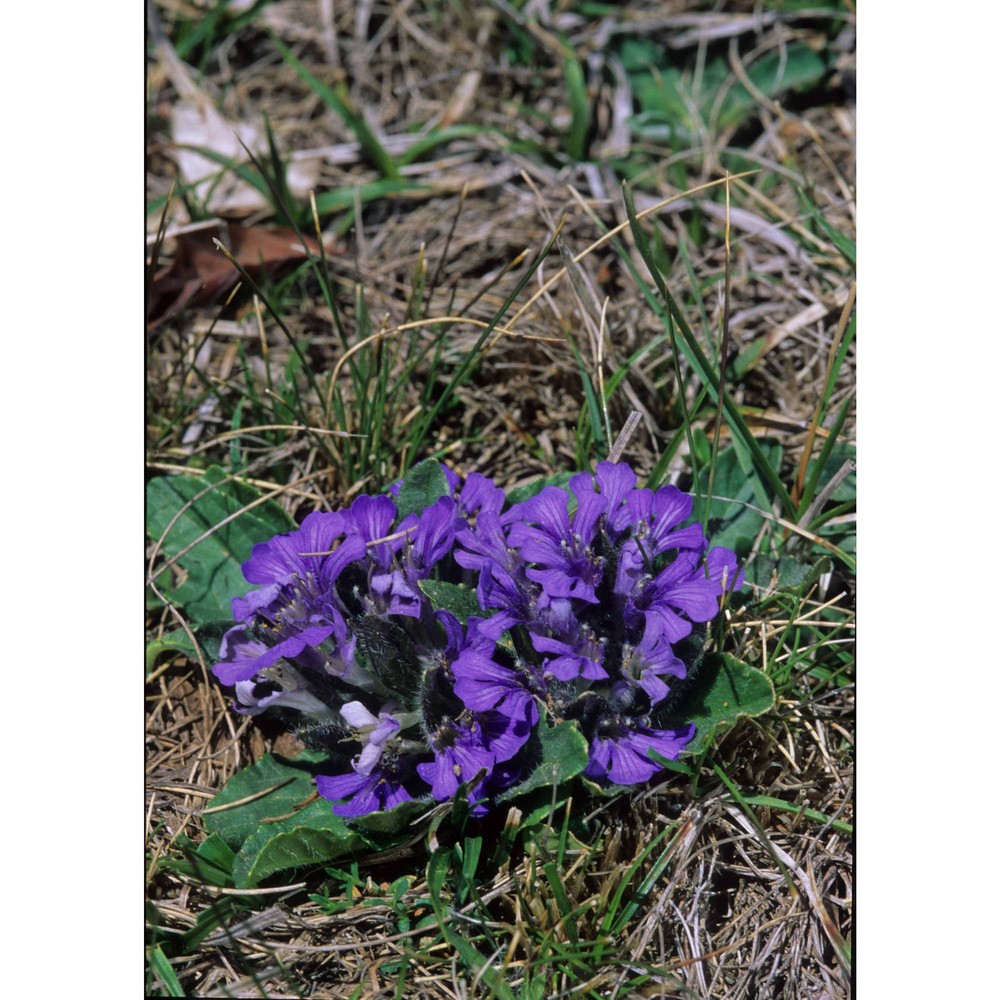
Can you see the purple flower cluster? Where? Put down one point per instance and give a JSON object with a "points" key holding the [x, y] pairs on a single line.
{"points": [[585, 597]]}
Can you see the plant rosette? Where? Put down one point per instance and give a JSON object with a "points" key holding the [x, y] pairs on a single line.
{"points": [[431, 639]]}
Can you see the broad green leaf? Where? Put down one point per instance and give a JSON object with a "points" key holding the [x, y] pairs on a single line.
{"points": [[421, 486], [273, 789], [309, 838], [536, 486], [726, 689], [212, 567], [563, 755], [393, 821], [460, 600], [730, 522], [793, 573]]}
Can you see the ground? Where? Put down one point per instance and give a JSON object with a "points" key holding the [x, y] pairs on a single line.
{"points": [[445, 143]]}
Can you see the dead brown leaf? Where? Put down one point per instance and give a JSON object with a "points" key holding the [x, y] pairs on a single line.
{"points": [[200, 274]]}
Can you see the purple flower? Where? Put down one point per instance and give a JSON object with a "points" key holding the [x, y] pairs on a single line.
{"points": [[502, 580], [242, 658], [565, 564], [616, 484], [581, 658], [469, 747], [360, 794], [460, 754], [619, 750], [683, 587], [651, 659], [371, 518], [654, 520], [479, 495], [238, 656], [427, 539], [722, 568], [484, 685], [308, 559], [590, 588]]}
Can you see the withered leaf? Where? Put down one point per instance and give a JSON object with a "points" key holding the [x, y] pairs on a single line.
{"points": [[200, 274]]}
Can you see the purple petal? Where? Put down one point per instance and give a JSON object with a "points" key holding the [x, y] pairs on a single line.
{"points": [[549, 509], [722, 563], [615, 480], [479, 494], [277, 560], [590, 506], [238, 656]]}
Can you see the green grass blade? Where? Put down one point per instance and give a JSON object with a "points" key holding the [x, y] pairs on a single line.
{"points": [[696, 357], [819, 463], [554, 877], [772, 803], [593, 408], [241, 170], [437, 137], [473, 355], [613, 921], [847, 247], [160, 964], [346, 198], [339, 102], [437, 870], [579, 105]]}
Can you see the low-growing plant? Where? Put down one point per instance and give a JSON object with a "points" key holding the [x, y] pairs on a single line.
{"points": [[446, 641]]}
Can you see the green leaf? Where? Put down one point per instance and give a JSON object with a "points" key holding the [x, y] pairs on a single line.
{"points": [[667, 97], [421, 486], [212, 566], [211, 863], [726, 689], [847, 490], [792, 572], [273, 789], [309, 838], [393, 821], [159, 963], [520, 493], [564, 754], [460, 600], [337, 99], [215, 851], [208, 634], [730, 522]]}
